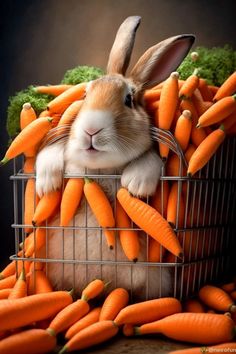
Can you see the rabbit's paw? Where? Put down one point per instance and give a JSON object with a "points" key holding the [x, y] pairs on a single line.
{"points": [[142, 175], [49, 168]]}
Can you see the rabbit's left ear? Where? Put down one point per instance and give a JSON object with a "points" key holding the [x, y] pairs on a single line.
{"points": [[156, 64], [121, 50]]}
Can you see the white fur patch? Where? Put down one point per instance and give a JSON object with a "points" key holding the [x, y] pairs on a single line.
{"points": [[142, 175], [49, 168]]}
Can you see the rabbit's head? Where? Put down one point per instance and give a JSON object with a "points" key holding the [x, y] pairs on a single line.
{"points": [[112, 127]]}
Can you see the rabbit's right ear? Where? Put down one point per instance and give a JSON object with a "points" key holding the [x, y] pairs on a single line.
{"points": [[121, 50], [156, 64]]}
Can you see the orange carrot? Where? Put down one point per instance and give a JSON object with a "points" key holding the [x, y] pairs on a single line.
{"points": [[46, 207], [193, 305], [229, 121], [198, 135], [94, 334], [54, 90], [61, 102], [216, 298], [167, 107], [228, 287], [160, 198], [93, 289], [101, 207], [227, 88], [233, 295], [189, 152], [29, 165], [68, 316], [199, 103], [8, 282], [148, 311], [4, 293], [128, 238], [70, 113], [190, 85], [151, 95], [183, 129], [175, 206], [31, 341], [27, 115], [152, 107], [206, 150], [226, 347], [28, 138], [155, 250], [128, 330], [213, 89], [114, 302], [44, 113], [205, 91], [204, 328], [189, 106], [31, 200], [87, 320], [20, 288], [174, 167], [149, 220], [218, 111], [10, 269], [232, 130], [35, 241], [20, 312], [71, 198], [39, 283]]}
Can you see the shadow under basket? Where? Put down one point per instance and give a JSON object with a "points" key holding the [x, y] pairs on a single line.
{"points": [[205, 225]]}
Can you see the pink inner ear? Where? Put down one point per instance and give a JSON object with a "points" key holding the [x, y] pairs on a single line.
{"points": [[169, 61]]}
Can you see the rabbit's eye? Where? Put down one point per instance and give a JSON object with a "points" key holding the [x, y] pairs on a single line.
{"points": [[129, 100]]}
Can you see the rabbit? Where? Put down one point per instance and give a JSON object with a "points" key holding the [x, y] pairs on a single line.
{"points": [[112, 134]]}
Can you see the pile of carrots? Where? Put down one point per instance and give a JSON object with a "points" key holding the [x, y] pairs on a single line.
{"points": [[31, 318]]}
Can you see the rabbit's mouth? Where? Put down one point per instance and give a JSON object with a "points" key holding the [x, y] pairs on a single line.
{"points": [[92, 150]]}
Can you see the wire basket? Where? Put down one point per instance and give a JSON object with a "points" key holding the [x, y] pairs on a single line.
{"points": [[206, 234]]}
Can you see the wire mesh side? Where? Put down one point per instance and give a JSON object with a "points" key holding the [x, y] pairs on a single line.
{"points": [[205, 228]]}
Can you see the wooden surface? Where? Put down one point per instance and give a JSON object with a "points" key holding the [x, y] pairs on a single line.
{"points": [[136, 345]]}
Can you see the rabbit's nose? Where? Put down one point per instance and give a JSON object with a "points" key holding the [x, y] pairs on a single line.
{"points": [[92, 131]]}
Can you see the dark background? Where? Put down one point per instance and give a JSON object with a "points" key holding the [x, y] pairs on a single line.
{"points": [[41, 39]]}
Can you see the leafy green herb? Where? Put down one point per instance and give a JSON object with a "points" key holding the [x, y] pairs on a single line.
{"points": [[81, 74], [38, 102], [216, 64]]}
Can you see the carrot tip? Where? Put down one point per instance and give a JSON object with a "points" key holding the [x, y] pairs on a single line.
{"points": [[84, 298], [51, 332], [111, 247], [63, 350], [34, 223], [164, 159], [135, 260], [194, 56], [4, 161], [183, 97], [232, 308], [198, 125], [88, 180], [181, 255], [171, 224], [136, 331], [189, 174], [26, 105], [1, 276], [107, 284]]}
